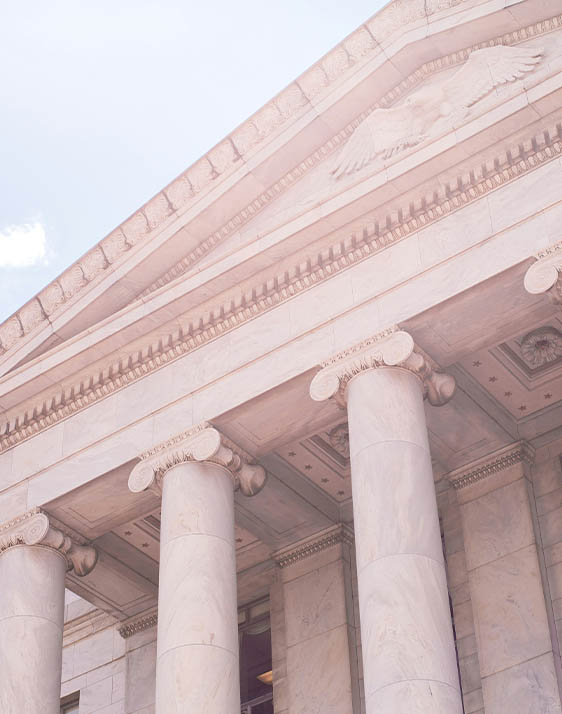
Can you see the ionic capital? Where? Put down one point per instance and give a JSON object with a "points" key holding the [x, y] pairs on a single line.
{"points": [[544, 276], [36, 528], [201, 443], [391, 348]]}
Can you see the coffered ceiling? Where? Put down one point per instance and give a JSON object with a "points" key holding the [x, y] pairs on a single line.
{"points": [[522, 374]]}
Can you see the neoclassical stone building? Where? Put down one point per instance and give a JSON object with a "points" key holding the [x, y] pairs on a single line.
{"points": [[291, 435]]}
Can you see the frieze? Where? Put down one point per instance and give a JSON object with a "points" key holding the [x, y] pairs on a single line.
{"points": [[346, 252], [224, 158]]}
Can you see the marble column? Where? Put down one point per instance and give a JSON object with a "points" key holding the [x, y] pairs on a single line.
{"points": [[409, 659], [34, 558], [197, 668]]}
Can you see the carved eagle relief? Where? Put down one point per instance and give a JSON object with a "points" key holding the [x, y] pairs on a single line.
{"points": [[386, 132]]}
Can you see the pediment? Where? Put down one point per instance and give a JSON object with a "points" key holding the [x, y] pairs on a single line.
{"points": [[276, 170]]}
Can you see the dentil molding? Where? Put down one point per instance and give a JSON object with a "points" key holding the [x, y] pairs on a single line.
{"points": [[267, 294], [36, 528], [391, 348], [544, 275], [520, 452], [200, 443], [139, 623], [308, 547]]}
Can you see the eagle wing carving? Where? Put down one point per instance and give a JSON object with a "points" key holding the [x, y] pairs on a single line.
{"points": [[486, 69], [388, 131]]}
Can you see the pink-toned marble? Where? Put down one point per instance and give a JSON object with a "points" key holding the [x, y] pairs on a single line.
{"points": [[31, 624], [409, 657], [197, 654]]}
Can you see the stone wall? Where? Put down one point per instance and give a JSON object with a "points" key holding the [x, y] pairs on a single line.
{"points": [[547, 486], [461, 604]]}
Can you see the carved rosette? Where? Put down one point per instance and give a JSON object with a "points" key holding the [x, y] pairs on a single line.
{"points": [[391, 348], [544, 276], [202, 443], [36, 528]]}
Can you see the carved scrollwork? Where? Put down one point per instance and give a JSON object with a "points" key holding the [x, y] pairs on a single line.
{"points": [[202, 443], [36, 528], [544, 276], [391, 348]]}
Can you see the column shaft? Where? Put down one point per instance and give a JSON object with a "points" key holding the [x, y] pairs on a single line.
{"points": [[408, 650], [197, 652], [31, 624]]}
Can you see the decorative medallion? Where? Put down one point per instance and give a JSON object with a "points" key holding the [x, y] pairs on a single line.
{"points": [[541, 347], [339, 439]]}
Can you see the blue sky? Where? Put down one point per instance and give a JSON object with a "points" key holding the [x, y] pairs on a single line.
{"points": [[104, 102]]}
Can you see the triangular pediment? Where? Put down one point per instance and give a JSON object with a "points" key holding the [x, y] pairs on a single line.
{"points": [[283, 170]]}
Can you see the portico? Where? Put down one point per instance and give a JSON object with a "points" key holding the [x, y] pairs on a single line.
{"points": [[292, 432]]}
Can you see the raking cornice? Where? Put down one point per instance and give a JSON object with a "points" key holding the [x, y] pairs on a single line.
{"points": [[224, 159], [378, 233]]}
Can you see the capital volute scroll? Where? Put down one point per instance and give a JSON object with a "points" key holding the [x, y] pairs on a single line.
{"points": [[35, 527], [202, 443], [545, 275], [391, 348]]}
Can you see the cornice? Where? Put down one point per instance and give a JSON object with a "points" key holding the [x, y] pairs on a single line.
{"points": [[492, 464], [201, 443], [391, 348], [415, 78], [315, 544], [36, 528], [226, 157], [148, 619], [380, 231], [138, 624]]}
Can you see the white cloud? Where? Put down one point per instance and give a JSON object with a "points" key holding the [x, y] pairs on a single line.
{"points": [[23, 245]]}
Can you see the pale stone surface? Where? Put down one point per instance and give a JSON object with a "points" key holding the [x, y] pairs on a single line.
{"points": [[227, 289], [508, 591], [31, 624], [459, 590], [197, 659], [141, 677], [514, 636], [405, 620], [278, 646], [499, 523], [317, 618], [527, 688]]}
